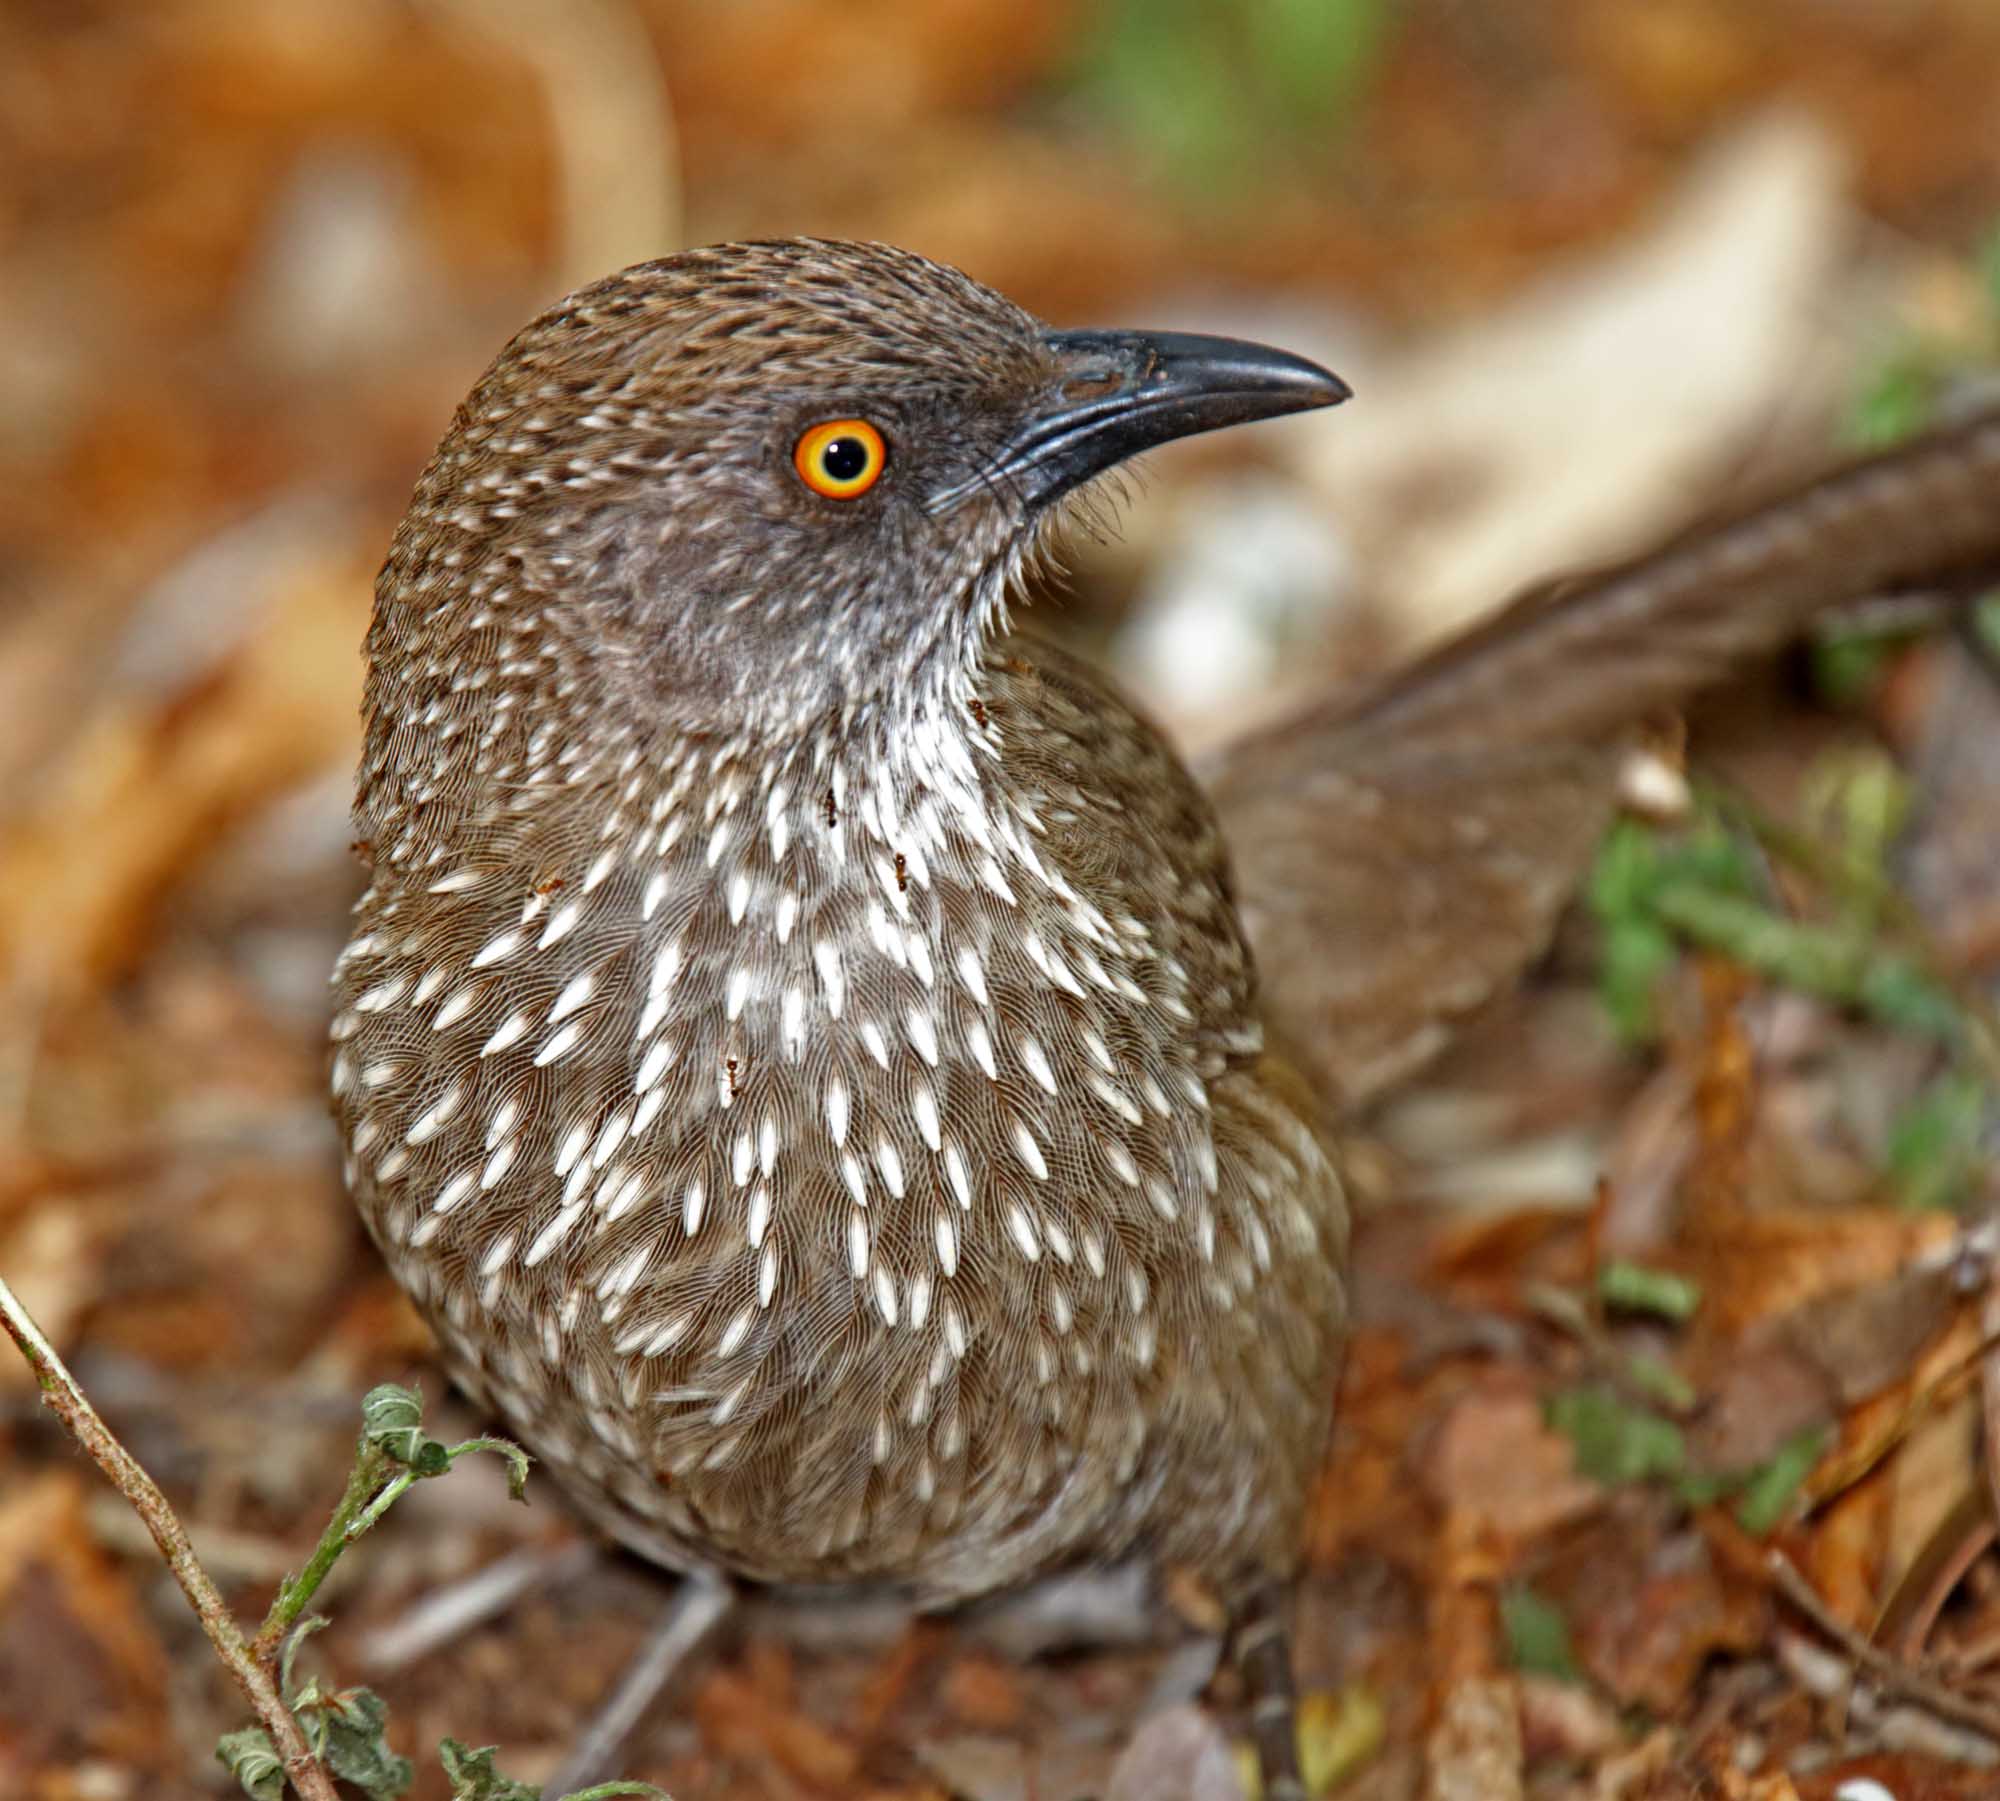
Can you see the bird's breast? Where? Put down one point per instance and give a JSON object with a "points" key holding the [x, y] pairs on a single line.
{"points": [[801, 1121]]}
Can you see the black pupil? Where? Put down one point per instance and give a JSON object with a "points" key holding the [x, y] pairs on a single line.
{"points": [[844, 459]]}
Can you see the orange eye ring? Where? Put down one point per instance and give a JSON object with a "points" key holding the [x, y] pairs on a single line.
{"points": [[841, 458]]}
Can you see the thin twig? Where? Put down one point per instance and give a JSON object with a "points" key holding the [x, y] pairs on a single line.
{"points": [[1888, 1671], [448, 1613], [372, 1469], [700, 1604], [67, 1401]]}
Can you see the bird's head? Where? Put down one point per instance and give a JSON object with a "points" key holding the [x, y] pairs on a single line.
{"points": [[748, 487]]}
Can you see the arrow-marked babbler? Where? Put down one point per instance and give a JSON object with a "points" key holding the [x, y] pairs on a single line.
{"points": [[800, 1048]]}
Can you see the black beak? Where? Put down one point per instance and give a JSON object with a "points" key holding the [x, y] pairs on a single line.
{"points": [[1117, 393]]}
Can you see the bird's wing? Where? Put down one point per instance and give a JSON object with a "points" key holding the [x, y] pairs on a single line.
{"points": [[1119, 816], [1400, 858]]}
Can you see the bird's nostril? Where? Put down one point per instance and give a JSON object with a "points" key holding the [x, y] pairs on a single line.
{"points": [[1093, 387]]}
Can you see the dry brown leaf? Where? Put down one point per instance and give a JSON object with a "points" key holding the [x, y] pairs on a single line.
{"points": [[892, 1680], [741, 1721], [1725, 1104], [81, 1667], [1474, 1751], [1649, 1604], [53, 1263], [1844, 1555], [1462, 1622], [144, 789], [1775, 1260], [1495, 1461]]}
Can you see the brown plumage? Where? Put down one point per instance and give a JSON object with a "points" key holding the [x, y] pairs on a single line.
{"points": [[799, 1048], [800, 1054]]}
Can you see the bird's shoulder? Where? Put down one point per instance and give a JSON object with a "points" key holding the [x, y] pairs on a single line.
{"points": [[1119, 812]]}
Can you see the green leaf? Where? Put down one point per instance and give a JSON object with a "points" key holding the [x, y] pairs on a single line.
{"points": [[392, 1418], [392, 1421], [1633, 959], [1636, 866], [1897, 401], [1989, 271], [1935, 1147], [1160, 73], [604, 1791], [1537, 1635], [1837, 963], [1662, 1381], [1986, 621], [1616, 1441], [1701, 1488], [1624, 873], [1847, 664], [1216, 95], [348, 1732], [1768, 1493], [473, 1777], [1899, 394], [1861, 800], [1314, 56], [1897, 992], [1637, 1289], [253, 1760], [1635, 951]]}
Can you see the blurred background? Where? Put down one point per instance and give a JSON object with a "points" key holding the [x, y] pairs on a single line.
{"points": [[1592, 267]]}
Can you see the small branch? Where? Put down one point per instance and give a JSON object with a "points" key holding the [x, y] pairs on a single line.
{"points": [[370, 1472], [1886, 1670], [393, 1453], [68, 1402]]}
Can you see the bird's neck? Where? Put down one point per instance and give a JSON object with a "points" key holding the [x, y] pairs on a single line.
{"points": [[493, 760]]}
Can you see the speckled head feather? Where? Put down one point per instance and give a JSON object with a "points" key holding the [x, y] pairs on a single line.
{"points": [[633, 446], [797, 1047]]}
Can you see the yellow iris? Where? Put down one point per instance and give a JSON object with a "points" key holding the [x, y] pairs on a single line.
{"points": [[841, 459]]}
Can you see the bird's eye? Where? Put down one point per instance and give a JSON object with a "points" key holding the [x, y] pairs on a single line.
{"points": [[841, 459]]}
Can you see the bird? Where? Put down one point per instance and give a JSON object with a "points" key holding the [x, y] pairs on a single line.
{"points": [[802, 1045]]}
